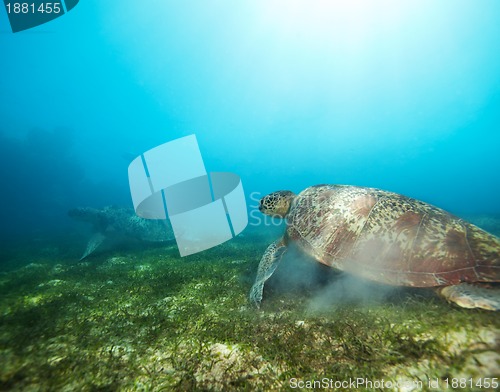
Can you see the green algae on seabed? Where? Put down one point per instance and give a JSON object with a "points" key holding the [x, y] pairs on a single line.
{"points": [[147, 320]]}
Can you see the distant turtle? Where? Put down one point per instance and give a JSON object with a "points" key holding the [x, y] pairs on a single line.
{"points": [[387, 238], [118, 224]]}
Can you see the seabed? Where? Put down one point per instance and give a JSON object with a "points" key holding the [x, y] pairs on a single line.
{"points": [[144, 319]]}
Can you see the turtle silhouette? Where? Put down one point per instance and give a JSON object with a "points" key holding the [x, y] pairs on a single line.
{"points": [[119, 224]]}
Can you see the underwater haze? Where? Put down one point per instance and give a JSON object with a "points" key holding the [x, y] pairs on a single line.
{"points": [[403, 96]]}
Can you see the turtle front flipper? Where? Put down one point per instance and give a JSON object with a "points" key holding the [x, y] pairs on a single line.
{"points": [[267, 266], [94, 242], [472, 296]]}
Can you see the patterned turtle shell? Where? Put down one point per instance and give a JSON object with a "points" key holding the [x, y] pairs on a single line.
{"points": [[390, 238]]}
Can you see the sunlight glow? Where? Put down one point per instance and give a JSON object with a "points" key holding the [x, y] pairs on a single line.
{"points": [[326, 18]]}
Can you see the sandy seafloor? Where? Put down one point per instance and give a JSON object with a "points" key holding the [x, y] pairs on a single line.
{"points": [[139, 317]]}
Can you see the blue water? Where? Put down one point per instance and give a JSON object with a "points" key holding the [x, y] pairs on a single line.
{"points": [[398, 95]]}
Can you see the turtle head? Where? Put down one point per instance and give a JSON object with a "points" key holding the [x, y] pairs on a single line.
{"points": [[276, 203]]}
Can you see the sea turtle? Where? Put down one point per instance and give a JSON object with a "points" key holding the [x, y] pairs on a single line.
{"points": [[385, 237], [120, 224]]}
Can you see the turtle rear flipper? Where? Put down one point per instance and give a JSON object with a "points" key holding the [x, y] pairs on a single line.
{"points": [[472, 296]]}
